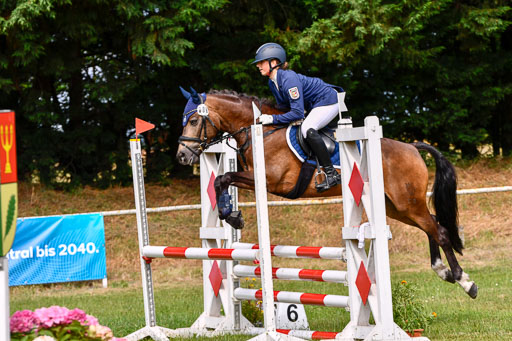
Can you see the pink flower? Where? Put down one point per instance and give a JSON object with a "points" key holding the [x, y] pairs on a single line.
{"points": [[22, 321], [75, 315], [89, 321], [53, 316]]}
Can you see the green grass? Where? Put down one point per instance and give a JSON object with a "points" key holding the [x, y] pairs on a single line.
{"points": [[458, 316]]}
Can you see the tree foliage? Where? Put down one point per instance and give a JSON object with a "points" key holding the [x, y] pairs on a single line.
{"points": [[78, 72], [434, 70]]}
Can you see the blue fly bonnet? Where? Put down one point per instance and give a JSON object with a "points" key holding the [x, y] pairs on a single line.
{"points": [[194, 100]]}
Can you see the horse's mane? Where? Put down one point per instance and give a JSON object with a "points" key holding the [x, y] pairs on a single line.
{"points": [[244, 97]]}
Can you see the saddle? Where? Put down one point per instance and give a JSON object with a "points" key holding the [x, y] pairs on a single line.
{"points": [[327, 135]]}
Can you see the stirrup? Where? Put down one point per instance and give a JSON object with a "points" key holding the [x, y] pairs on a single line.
{"points": [[326, 184], [320, 172], [321, 186]]}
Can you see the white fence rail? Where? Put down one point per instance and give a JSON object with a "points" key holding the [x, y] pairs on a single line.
{"points": [[270, 203]]}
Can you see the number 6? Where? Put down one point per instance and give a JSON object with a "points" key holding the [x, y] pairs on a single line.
{"points": [[292, 314]]}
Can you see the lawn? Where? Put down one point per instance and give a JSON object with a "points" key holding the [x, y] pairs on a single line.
{"points": [[458, 316]]}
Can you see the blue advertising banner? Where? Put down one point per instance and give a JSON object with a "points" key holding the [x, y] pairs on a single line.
{"points": [[58, 249]]}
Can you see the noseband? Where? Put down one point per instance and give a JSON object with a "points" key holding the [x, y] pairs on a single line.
{"points": [[202, 111]]}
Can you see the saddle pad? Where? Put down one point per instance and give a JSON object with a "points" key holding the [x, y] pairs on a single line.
{"points": [[291, 139]]}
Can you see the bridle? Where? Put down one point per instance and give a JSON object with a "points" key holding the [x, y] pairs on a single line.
{"points": [[202, 111]]}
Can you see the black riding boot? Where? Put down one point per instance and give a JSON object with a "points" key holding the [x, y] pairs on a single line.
{"points": [[332, 177]]}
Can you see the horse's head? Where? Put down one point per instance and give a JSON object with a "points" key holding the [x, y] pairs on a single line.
{"points": [[198, 128], [205, 118]]}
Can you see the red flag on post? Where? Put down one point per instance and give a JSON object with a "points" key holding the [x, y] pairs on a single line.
{"points": [[142, 126]]}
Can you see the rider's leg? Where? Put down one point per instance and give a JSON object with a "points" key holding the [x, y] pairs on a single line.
{"points": [[332, 177], [317, 119]]}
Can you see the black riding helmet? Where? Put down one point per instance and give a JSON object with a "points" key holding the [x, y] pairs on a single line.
{"points": [[270, 51]]}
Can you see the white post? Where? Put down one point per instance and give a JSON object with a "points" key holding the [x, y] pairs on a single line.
{"points": [[378, 222], [260, 187], [4, 300], [151, 329]]}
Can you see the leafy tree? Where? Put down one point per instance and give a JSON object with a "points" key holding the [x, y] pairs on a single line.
{"points": [[430, 69], [77, 72]]}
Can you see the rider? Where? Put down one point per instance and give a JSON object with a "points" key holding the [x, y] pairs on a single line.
{"points": [[301, 95]]}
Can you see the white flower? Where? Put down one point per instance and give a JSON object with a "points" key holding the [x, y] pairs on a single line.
{"points": [[44, 338]]}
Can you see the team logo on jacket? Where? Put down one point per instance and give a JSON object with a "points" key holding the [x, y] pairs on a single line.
{"points": [[294, 92]]}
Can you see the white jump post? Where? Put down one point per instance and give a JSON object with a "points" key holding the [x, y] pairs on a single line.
{"points": [[368, 275], [260, 187], [151, 329]]}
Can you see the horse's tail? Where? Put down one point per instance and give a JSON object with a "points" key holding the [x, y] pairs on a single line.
{"points": [[444, 195]]}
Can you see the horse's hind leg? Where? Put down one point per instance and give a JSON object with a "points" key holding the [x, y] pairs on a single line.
{"points": [[437, 263], [458, 275], [221, 184], [439, 236], [435, 256]]}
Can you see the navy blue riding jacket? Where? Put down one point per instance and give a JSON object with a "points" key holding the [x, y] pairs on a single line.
{"points": [[299, 94]]}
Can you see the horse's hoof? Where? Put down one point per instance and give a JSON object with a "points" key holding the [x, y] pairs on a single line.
{"points": [[235, 220], [473, 291]]}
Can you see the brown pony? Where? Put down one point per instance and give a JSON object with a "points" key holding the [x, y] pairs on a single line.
{"points": [[405, 173]]}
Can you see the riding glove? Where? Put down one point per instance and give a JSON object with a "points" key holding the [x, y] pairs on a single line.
{"points": [[266, 119]]}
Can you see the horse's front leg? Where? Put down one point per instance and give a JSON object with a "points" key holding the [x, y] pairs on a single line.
{"points": [[225, 208]]}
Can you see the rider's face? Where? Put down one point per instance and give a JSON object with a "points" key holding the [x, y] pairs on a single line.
{"points": [[264, 67]]}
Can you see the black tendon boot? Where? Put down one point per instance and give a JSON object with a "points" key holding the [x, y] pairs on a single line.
{"points": [[332, 177]]}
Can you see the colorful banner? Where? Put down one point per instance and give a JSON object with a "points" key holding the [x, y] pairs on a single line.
{"points": [[8, 181], [58, 249]]}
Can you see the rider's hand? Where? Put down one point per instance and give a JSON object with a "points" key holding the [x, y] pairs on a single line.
{"points": [[266, 119]]}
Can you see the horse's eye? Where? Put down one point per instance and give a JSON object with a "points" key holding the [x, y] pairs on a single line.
{"points": [[194, 121]]}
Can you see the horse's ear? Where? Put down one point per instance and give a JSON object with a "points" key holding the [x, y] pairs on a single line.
{"points": [[185, 93], [195, 96]]}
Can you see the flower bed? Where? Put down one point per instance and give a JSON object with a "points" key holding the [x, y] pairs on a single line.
{"points": [[58, 323]]}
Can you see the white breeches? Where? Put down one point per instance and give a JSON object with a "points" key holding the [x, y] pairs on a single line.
{"points": [[319, 117]]}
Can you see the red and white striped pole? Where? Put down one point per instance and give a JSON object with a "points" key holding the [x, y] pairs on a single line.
{"points": [[332, 276], [199, 253], [294, 297], [288, 251]]}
